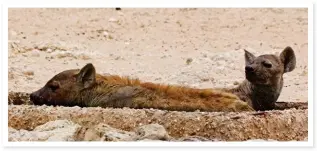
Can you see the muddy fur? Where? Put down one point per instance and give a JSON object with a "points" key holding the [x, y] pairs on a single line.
{"points": [[260, 89], [85, 88]]}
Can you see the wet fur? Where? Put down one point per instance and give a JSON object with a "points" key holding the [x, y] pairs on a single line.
{"points": [[85, 88], [118, 92]]}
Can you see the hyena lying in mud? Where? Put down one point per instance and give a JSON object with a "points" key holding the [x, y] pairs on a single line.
{"points": [[85, 88]]}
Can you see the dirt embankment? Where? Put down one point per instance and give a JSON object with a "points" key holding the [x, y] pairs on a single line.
{"points": [[277, 125]]}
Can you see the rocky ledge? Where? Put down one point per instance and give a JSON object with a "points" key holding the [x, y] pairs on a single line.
{"points": [[45, 123]]}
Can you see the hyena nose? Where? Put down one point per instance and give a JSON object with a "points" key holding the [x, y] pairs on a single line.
{"points": [[32, 96], [249, 69], [35, 99]]}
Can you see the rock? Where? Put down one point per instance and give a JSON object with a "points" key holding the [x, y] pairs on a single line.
{"points": [[152, 132], [194, 139], [189, 61], [249, 125], [150, 140], [109, 133], [59, 130], [106, 34], [235, 83], [92, 135], [49, 50], [28, 73], [35, 53], [104, 132], [20, 135], [112, 20]]}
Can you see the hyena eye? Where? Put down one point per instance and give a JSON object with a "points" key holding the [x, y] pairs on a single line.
{"points": [[267, 64], [54, 86]]}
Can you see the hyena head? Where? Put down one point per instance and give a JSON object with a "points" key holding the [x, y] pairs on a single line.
{"points": [[269, 69], [65, 87]]}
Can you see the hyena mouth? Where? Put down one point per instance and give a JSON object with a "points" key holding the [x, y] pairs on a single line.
{"points": [[40, 100], [250, 76], [253, 78], [37, 100]]}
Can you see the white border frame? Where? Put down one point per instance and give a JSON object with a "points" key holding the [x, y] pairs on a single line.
{"points": [[157, 4]]}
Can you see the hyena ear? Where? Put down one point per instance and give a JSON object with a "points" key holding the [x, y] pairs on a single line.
{"points": [[87, 75], [249, 57], [288, 58]]}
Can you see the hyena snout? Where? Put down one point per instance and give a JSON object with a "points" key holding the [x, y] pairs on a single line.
{"points": [[249, 69], [36, 98]]}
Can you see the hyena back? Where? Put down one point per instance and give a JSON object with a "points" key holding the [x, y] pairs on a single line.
{"points": [[85, 88]]}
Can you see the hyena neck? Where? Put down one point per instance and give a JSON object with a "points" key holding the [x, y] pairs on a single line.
{"points": [[260, 97], [108, 95], [88, 96]]}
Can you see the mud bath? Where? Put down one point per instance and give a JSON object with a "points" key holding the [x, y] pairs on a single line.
{"points": [[190, 47]]}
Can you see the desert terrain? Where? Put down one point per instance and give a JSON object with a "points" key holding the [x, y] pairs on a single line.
{"points": [[200, 48]]}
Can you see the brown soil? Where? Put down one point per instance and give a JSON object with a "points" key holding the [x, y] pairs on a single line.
{"points": [[277, 125]]}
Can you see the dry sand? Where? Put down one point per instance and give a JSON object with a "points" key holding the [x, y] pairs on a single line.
{"points": [[155, 44]]}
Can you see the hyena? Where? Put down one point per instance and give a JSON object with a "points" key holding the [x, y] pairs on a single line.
{"points": [[85, 88], [264, 78]]}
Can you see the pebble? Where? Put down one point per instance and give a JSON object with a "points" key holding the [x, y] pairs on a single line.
{"points": [[105, 34], [35, 53], [205, 79], [28, 73], [189, 61], [152, 132], [49, 50], [113, 20]]}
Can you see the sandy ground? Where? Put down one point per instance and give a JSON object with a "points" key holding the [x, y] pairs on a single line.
{"points": [[154, 44]]}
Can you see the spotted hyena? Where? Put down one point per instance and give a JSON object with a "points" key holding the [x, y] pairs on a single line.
{"points": [[85, 88], [264, 78]]}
